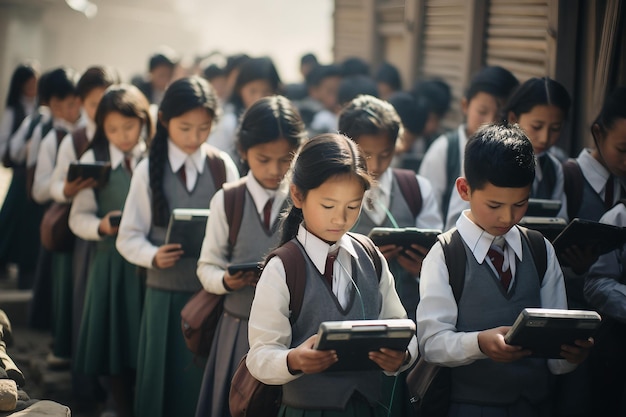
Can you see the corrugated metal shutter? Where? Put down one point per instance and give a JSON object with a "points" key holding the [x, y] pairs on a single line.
{"points": [[442, 48], [517, 37], [350, 30]]}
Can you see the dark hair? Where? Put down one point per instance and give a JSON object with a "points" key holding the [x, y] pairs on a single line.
{"points": [[435, 93], [389, 74], [251, 70], [354, 66], [165, 57], [320, 158], [413, 111], [21, 75], [270, 119], [614, 108], [96, 77], [234, 62], [501, 155], [43, 89], [212, 71], [352, 87], [181, 96], [497, 81], [61, 83], [536, 92], [320, 73], [127, 100], [308, 59], [367, 115]]}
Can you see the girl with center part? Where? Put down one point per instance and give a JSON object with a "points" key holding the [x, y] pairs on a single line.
{"points": [[328, 180]]}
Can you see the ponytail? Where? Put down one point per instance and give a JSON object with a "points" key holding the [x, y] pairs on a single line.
{"points": [[158, 161], [289, 224]]}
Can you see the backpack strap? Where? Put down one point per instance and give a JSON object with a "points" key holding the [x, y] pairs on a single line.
{"points": [[293, 262], [410, 188], [538, 250], [45, 129], [573, 183], [454, 254], [80, 141], [453, 169], [234, 196], [217, 166], [370, 248]]}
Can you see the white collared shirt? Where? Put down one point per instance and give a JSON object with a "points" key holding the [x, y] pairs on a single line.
{"points": [[84, 221], [132, 239], [437, 311], [269, 329], [17, 142], [214, 254], [597, 175], [194, 163]]}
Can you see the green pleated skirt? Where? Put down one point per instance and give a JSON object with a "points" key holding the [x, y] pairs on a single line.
{"points": [[109, 333], [357, 407], [168, 380], [62, 304]]}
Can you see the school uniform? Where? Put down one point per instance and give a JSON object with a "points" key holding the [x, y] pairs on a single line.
{"points": [[434, 168], [324, 121], [18, 142], [168, 383], [385, 206], [231, 337], [272, 336], [20, 236], [548, 183], [114, 293], [448, 332], [224, 135]]}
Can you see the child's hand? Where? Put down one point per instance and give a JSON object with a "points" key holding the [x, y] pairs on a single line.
{"points": [[580, 260], [240, 279], [412, 259], [389, 360], [308, 360], [492, 344], [167, 255], [105, 228], [577, 353], [390, 251], [71, 188]]}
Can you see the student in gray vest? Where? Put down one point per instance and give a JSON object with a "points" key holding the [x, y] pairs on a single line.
{"points": [[487, 92], [488, 376], [341, 283], [182, 171], [270, 133], [374, 125]]}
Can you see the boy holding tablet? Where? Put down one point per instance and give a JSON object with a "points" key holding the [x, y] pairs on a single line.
{"points": [[501, 279]]}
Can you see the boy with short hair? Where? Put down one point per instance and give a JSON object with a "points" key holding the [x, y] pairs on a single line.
{"points": [[375, 126], [489, 377], [323, 84], [443, 162]]}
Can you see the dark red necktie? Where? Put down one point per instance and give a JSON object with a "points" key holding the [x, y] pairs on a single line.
{"points": [[183, 175], [497, 259], [267, 213], [328, 269], [609, 193], [128, 165]]}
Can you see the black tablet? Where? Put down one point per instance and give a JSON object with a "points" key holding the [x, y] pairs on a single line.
{"points": [[405, 236], [544, 330], [538, 207], [187, 227], [353, 340], [549, 227], [582, 233], [115, 219], [245, 267], [100, 171]]}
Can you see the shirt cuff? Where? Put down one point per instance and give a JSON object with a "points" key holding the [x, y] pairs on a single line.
{"points": [[469, 342]]}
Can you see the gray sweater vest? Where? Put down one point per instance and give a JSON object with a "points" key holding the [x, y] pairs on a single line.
{"points": [[253, 244], [182, 276], [406, 284], [334, 389], [484, 305], [592, 207]]}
